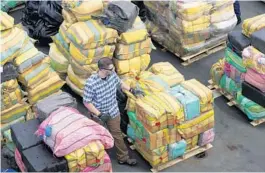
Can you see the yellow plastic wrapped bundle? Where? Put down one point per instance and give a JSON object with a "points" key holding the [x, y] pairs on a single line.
{"points": [[124, 51], [83, 71], [68, 16], [192, 142], [10, 94], [217, 71], [35, 75], [157, 139], [136, 34], [6, 126], [158, 111], [15, 112], [253, 24], [58, 62], [167, 72], [83, 10], [199, 24], [91, 34], [12, 41], [219, 5], [63, 31], [197, 125], [154, 157], [73, 87], [252, 58], [223, 14], [190, 11], [7, 21], [76, 80], [46, 88], [174, 136], [205, 95], [134, 65], [86, 56], [90, 155]]}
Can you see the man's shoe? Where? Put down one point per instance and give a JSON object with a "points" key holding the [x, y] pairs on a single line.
{"points": [[130, 162]]}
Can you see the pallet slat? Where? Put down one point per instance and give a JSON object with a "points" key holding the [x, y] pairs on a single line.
{"points": [[197, 56]]}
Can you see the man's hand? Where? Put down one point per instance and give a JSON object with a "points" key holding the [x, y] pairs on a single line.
{"points": [[104, 117], [137, 92]]}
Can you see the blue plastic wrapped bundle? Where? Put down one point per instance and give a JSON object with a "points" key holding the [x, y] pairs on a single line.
{"points": [[177, 149]]}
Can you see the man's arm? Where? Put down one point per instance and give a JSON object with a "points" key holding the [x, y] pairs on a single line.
{"points": [[92, 108], [125, 87]]}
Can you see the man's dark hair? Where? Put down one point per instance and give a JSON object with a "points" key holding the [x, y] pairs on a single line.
{"points": [[104, 63]]}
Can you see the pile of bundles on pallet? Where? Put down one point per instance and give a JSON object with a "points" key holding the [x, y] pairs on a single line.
{"points": [[61, 139], [7, 5], [42, 19], [24, 69], [84, 37], [242, 72], [187, 27], [173, 117]]}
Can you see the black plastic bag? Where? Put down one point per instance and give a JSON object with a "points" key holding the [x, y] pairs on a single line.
{"points": [[9, 72], [42, 19], [142, 12]]}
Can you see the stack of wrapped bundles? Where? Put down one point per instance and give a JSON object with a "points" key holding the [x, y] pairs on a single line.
{"points": [[81, 42], [242, 72], [13, 105], [173, 117], [132, 53], [187, 27], [133, 45], [80, 147]]}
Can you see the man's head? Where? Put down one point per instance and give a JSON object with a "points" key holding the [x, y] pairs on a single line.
{"points": [[106, 67]]}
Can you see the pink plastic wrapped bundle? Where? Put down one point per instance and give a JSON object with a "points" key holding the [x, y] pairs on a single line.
{"points": [[105, 167], [19, 161], [206, 137], [66, 130]]}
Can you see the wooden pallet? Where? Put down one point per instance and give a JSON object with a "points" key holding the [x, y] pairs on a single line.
{"points": [[188, 154], [198, 56], [232, 102]]}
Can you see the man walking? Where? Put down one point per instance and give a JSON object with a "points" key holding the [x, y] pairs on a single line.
{"points": [[100, 99]]}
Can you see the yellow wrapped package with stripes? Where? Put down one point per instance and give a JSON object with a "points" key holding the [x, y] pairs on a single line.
{"points": [[7, 21], [197, 125], [91, 34], [73, 87], [253, 24], [86, 56], [159, 111], [27, 57], [154, 157], [174, 136], [167, 72], [46, 88], [124, 51], [15, 112], [83, 10], [205, 95], [35, 75], [90, 155], [136, 34], [58, 62], [192, 142], [157, 139], [134, 65], [12, 41], [83, 71], [68, 16], [10, 94], [76, 80]]}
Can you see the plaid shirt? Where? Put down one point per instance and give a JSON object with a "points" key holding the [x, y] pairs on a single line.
{"points": [[102, 93]]}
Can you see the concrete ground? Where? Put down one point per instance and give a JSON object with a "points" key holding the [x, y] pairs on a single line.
{"points": [[238, 146]]}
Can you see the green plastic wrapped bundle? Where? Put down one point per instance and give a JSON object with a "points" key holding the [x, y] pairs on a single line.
{"points": [[7, 5]]}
